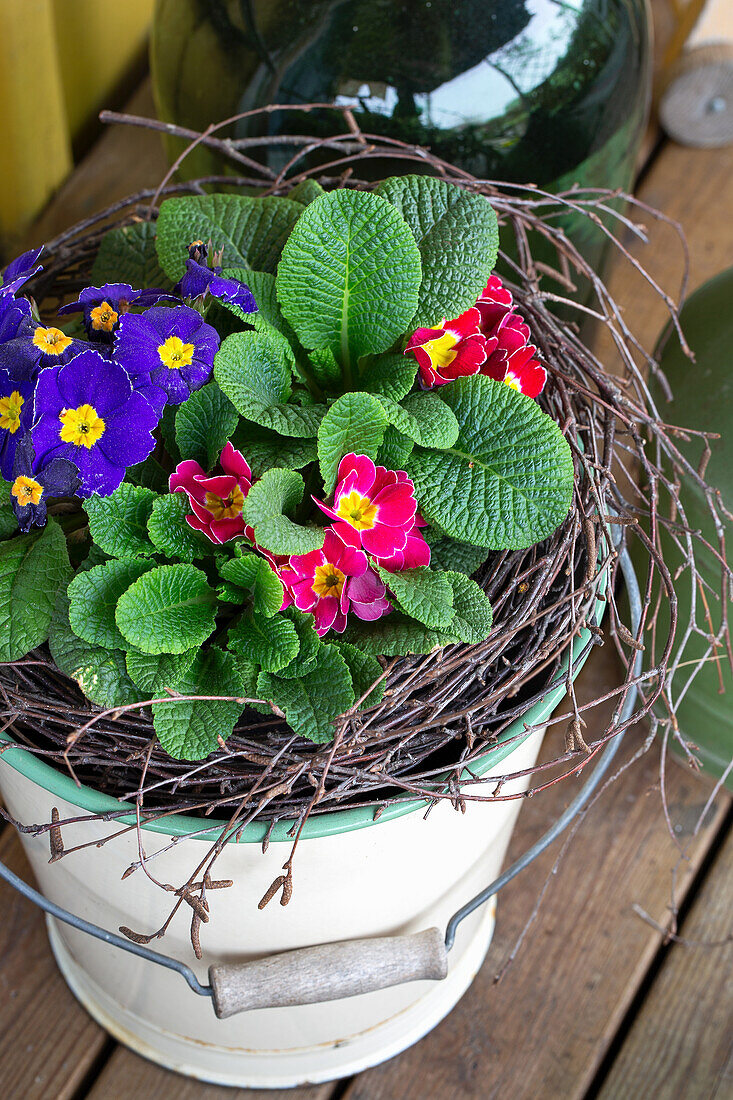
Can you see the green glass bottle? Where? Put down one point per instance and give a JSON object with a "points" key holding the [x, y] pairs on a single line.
{"points": [[552, 92]]}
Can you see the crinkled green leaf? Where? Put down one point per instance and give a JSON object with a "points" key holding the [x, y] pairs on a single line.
{"points": [[311, 703], [254, 370], [100, 673], [305, 192], [424, 594], [447, 553], [8, 520], [276, 493], [128, 255], [349, 275], [167, 427], [171, 533], [395, 449], [264, 449], [400, 418], [258, 581], [118, 523], [152, 673], [310, 645], [390, 375], [32, 569], [168, 610], [269, 314], [93, 596], [204, 423], [271, 643], [395, 635], [355, 422], [251, 231], [365, 669], [438, 424], [508, 480], [458, 237], [149, 474], [472, 617], [324, 367], [190, 729]]}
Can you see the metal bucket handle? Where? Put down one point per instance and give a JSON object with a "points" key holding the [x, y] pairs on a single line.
{"points": [[331, 971]]}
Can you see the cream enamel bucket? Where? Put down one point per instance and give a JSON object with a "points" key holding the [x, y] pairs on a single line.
{"points": [[354, 878]]}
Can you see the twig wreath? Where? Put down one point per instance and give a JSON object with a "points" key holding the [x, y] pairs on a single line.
{"points": [[343, 528]]}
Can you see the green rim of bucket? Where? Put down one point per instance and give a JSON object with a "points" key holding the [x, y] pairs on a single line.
{"points": [[330, 823]]}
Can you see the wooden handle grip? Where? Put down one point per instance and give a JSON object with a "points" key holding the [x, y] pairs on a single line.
{"points": [[327, 972]]}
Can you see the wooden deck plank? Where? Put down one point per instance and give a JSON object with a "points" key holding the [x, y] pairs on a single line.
{"points": [[47, 1041], [681, 1042], [129, 1077], [543, 1031]]}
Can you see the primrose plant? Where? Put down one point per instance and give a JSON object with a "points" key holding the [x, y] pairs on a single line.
{"points": [[275, 455]]}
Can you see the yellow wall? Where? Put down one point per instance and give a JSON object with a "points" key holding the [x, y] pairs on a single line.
{"points": [[60, 61]]}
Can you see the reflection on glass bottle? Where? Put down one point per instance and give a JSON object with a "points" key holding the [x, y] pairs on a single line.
{"points": [[552, 92]]}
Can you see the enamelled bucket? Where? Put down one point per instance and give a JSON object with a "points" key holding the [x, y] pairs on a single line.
{"points": [[354, 878]]}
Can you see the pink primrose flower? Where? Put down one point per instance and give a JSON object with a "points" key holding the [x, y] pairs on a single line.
{"points": [[379, 505], [216, 501], [511, 358], [330, 581], [454, 349]]}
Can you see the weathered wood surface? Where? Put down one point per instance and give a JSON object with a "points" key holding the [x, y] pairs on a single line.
{"points": [[681, 1043], [48, 1044]]}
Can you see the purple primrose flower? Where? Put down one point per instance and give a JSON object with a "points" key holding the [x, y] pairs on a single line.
{"points": [[172, 349], [36, 346], [13, 314], [200, 279], [32, 484], [16, 415], [89, 413], [103, 306], [19, 271]]}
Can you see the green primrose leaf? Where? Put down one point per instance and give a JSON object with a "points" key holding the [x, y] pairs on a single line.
{"points": [[365, 669], [276, 493], [472, 616], [508, 481], [190, 730], [118, 523], [438, 424], [394, 450], [100, 672], [168, 610], [425, 595], [152, 673], [395, 635], [93, 597], [251, 231], [400, 418], [324, 367], [311, 703], [447, 553], [254, 575], [355, 422], [310, 645], [390, 375], [8, 519], [204, 423], [254, 369], [170, 532], [349, 275], [264, 449], [306, 191], [271, 643], [32, 569], [149, 474], [268, 315], [458, 237], [128, 255]]}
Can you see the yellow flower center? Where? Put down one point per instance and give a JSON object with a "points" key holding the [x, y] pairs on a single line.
{"points": [[103, 317], [512, 382], [10, 412], [226, 507], [357, 510], [174, 354], [442, 349], [83, 426], [328, 580], [26, 490], [51, 341]]}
